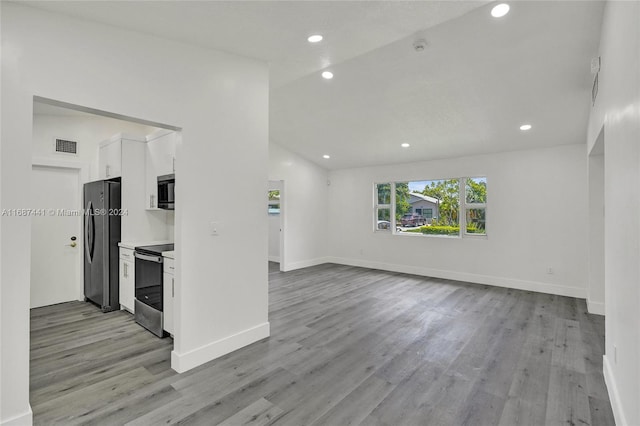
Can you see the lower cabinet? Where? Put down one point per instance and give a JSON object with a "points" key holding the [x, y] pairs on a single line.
{"points": [[127, 279], [168, 294]]}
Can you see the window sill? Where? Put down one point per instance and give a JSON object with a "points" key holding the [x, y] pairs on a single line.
{"points": [[421, 235], [448, 237], [476, 236]]}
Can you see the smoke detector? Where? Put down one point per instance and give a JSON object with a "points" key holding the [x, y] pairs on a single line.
{"points": [[420, 45]]}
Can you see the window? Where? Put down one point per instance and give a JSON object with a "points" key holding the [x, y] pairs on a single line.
{"points": [[429, 196], [476, 205], [383, 207], [274, 202], [432, 207]]}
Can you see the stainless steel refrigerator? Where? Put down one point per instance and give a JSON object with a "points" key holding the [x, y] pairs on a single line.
{"points": [[101, 200]]}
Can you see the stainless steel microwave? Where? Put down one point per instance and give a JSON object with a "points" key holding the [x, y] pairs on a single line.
{"points": [[166, 192]]}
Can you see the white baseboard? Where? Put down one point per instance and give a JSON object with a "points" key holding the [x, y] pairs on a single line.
{"points": [[290, 266], [182, 362], [24, 419], [612, 389], [274, 259], [467, 277], [595, 307]]}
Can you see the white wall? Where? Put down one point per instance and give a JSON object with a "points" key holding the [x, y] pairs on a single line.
{"points": [[88, 131], [618, 109], [220, 101], [535, 219], [304, 208]]}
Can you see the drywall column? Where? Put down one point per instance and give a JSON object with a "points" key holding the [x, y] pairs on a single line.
{"points": [[595, 288], [219, 100], [617, 109]]}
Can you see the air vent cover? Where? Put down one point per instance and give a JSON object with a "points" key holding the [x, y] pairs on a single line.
{"points": [[66, 147]]}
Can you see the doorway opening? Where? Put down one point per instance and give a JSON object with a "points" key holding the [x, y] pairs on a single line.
{"points": [[70, 145], [597, 211], [276, 212]]}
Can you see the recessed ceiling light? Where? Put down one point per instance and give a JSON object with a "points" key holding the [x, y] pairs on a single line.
{"points": [[500, 10], [326, 156], [405, 145], [327, 75], [314, 38], [525, 127]]}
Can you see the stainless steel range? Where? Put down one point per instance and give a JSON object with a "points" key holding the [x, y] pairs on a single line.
{"points": [[148, 301]]}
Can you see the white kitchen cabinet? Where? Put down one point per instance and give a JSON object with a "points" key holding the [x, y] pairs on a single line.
{"points": [[110, 159], [127, 279], [137, 223], [168, 293], [160, 160], [113, 152]]}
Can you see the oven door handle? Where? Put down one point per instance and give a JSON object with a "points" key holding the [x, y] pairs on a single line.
{"points": [[156, 259]]}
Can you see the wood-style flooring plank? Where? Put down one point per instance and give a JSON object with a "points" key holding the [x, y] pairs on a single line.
{"points": [[348, 345], [260, 413]]}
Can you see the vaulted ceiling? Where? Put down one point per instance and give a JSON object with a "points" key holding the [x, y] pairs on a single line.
{"points": [[467, 93]]}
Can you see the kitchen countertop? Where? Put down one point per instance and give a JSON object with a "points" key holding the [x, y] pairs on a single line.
{"points": [[169, 254], [132, 245]]}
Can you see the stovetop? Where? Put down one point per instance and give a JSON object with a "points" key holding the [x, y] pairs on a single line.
{"points": [[157, 249]]}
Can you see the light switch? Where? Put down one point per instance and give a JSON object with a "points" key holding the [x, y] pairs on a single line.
{"points": [[214, 229]]}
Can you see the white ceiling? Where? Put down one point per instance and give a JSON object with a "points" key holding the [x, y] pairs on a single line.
{"points": [[467, 93]]}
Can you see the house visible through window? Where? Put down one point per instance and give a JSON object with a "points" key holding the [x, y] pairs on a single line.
{"points": [[432, 207]]}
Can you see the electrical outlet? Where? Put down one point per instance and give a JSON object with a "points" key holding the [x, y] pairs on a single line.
{"points": [[214, 229], [550, 270]]}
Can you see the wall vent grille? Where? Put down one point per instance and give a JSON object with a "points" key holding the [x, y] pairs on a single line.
{"points": [[66, 147]]}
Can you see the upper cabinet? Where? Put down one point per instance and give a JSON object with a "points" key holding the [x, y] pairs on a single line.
{"points": [[160, 160], [110, 158], [125, 157], [161, 147]]}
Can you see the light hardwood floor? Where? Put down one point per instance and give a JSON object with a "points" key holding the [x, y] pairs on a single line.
{"points": [[348, 346]]}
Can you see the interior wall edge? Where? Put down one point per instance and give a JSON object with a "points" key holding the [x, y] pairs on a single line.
{"points": [[596, 308], [24, 419], [292, 266], [612, 390], [182, 362]]}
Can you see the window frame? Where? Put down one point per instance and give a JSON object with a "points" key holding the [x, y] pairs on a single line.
{"points": [[463, 206], [377, 207]]}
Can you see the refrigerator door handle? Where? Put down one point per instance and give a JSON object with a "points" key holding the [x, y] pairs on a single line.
{"points": [[89, 231]]}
